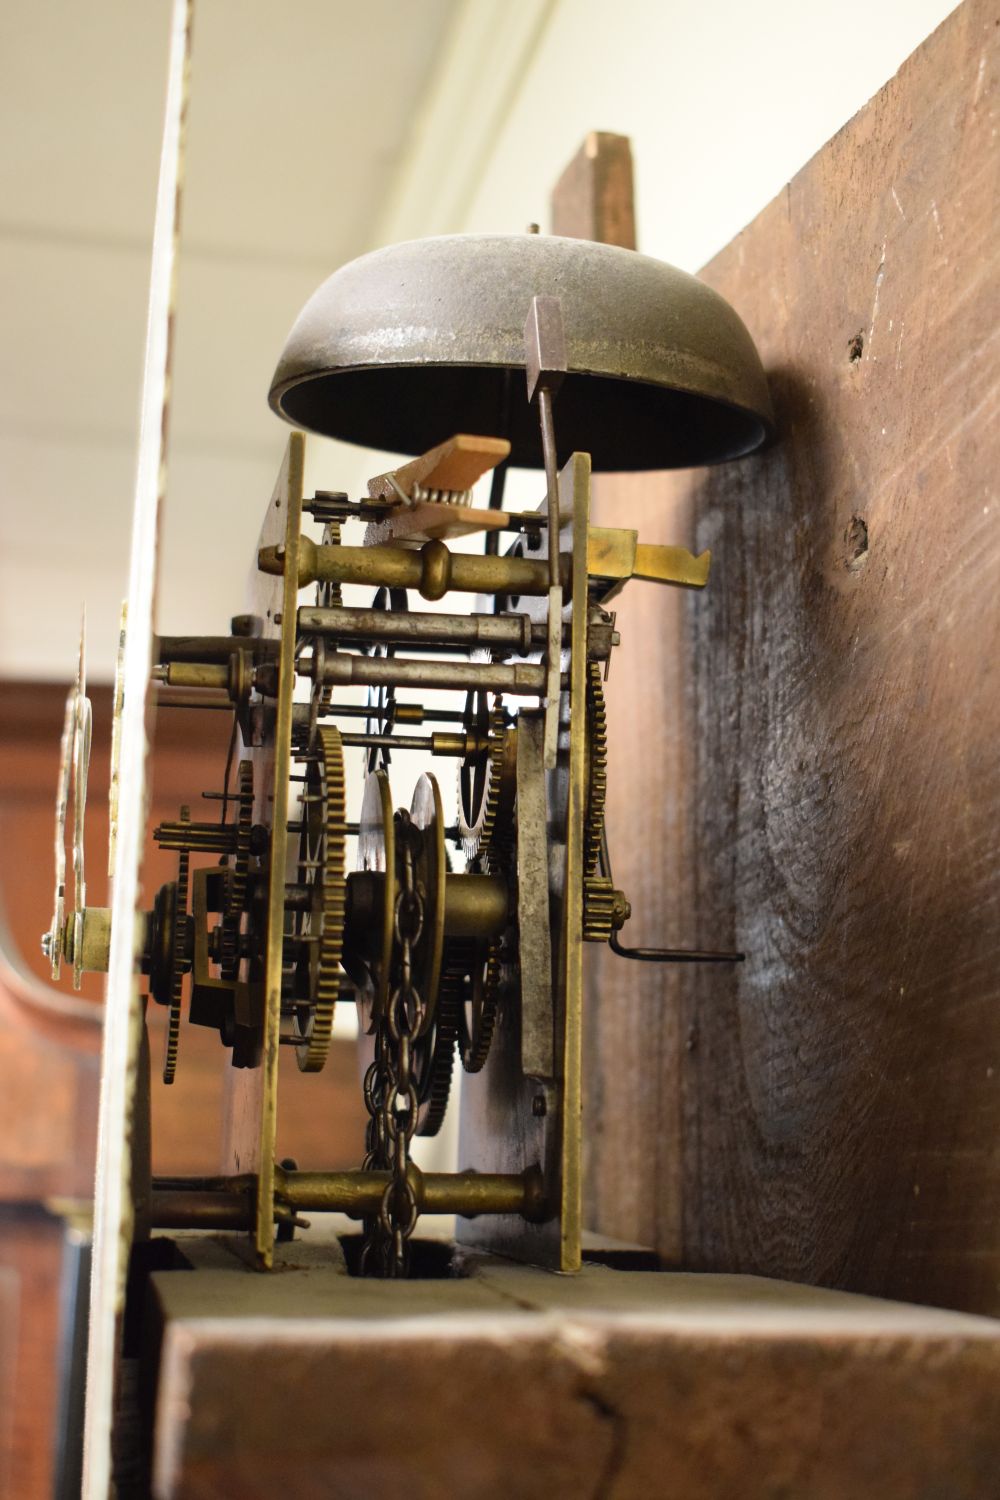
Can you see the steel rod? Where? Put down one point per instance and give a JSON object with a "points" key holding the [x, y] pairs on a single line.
{"points": [[166, 698], [212, 648], [198, 1208], [515, 632], [525, 679], [459, 745], [402, 713]]}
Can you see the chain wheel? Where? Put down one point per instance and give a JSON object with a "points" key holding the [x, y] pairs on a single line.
{"points": [[597, 769], [238, 874], [323, 844], [179, 958]]}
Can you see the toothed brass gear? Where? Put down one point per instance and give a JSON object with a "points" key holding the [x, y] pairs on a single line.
{"points": [[330, 595], [238, 874], [324, 839], [478, 1015], [435, 1061], [605, 909], [485, 823], [179, 959], [597, 774]]}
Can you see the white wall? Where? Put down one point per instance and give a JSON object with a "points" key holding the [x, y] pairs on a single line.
{"points": [[724, 101]]}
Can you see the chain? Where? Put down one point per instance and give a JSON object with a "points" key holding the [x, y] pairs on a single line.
{"points": [[390, 1090]]}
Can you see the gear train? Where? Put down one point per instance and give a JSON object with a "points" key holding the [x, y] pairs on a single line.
{"points": [[460, 933]]}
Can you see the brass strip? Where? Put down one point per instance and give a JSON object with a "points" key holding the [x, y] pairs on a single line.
{"points": [[534, 923], [291, 494], [575, 477]]}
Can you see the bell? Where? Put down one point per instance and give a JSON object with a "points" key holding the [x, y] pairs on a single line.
{"points": [[403, 347]]}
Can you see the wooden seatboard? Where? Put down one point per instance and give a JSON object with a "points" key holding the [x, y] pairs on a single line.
{"points": [[511, 1381]]}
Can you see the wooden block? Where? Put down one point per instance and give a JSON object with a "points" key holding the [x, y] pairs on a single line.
{"points": [[594, 198], [516, 1382], [453, 465]]}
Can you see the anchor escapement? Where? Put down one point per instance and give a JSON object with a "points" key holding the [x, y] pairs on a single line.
{"points": [[458, 935]]}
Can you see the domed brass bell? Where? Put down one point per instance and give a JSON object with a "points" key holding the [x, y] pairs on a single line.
{"points": [[403, 347]]}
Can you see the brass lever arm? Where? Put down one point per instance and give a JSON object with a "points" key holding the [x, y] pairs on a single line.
{"points": [[617, 555]]}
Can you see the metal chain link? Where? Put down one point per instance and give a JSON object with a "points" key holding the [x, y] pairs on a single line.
{"points": [[389, 1088]]}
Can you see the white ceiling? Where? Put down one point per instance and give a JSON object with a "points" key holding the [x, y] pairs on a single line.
{"points": [[300, 116]]}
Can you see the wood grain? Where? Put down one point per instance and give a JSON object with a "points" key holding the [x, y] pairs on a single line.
{"points": [[531, 1385], [840, 791], [30, 1257], [594, 198]]}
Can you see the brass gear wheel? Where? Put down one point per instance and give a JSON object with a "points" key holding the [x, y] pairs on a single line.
{"points": [[330, 595], [485, 821], [597, 771], [179, 958], [605, 909], [376, 853], [427, 814], [477, 1016], [435, 1056], [324, 838]]}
